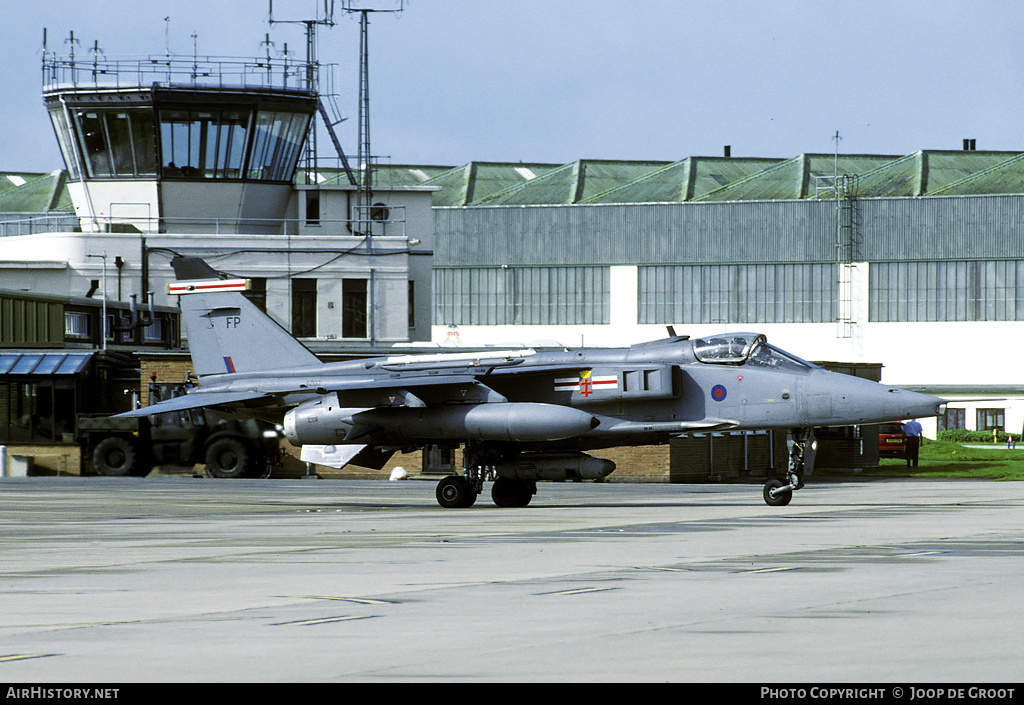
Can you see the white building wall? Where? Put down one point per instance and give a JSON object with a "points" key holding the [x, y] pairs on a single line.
{"points": [[66, 263], [60, 264]]}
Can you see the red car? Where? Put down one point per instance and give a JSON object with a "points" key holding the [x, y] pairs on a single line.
{"points": [[891, 441]]}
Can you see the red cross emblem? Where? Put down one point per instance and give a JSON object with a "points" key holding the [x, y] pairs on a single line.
{"points": [[586, 386]]}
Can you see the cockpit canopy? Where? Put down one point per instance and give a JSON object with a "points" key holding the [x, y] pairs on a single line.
{"points": [[727, 349], [744, 348]]}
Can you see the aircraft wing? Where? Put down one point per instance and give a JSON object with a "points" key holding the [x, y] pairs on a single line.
{"points": [[196, 400], [273, 393]]}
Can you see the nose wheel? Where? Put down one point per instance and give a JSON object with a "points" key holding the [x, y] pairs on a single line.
{"points": [[779, 493]]}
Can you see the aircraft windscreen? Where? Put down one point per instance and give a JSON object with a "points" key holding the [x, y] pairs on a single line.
{"points": [[766, 355], [727, 349], [744, 348]]}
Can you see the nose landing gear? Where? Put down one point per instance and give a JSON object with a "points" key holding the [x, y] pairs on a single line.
{"points": [[778, 493]]}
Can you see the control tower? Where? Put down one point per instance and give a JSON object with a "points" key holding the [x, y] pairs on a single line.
{"points": [[155, 144], [209, 157]]}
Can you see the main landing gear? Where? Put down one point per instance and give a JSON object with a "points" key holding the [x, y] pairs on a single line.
{"points": [[778, 493], [461, 491]]}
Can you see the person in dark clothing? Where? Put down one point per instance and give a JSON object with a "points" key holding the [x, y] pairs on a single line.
{"points": [[912, 433]]}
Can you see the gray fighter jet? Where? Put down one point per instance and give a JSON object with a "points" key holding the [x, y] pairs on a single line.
{"points": [[520, 415]]}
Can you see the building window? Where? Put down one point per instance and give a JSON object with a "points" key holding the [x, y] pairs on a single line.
{"points": [[737, 293], [522, 296], [953, 419], [66, 142], [304, 308], [312, 208], [354, 302], [277, 138], [117, 142], [154, 332], [76, 324], [989, 419], [959, 290], [208, 144], [257, 292], [36, 412], [412, 304]]}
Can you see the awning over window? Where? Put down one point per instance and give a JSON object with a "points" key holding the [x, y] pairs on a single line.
{"points": [[44, 363]]}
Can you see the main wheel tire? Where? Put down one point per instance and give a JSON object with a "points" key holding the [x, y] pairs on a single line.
{"points": [[230, 458], [509, 492], [778, 499], [455, 492], [117, 456]]}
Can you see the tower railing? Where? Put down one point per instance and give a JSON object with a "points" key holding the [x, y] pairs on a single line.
{"points": [[377, 222], [208, 72]]}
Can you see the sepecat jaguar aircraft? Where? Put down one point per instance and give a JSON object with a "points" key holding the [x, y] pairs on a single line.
{"points": [[520, 415]]}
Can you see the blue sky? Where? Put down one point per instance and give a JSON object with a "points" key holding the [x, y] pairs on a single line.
{"points": [[557, 80]]}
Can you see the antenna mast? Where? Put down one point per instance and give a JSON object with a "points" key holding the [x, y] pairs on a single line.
{"points": [[312, 80], [364, 198]]}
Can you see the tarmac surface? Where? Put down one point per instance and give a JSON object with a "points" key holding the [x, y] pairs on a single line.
{"points": [[189, 580]]}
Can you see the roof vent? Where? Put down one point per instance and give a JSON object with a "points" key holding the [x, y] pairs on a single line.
{"points": [[969, 145]]}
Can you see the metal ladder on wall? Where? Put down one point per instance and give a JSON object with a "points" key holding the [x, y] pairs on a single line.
{"points": [[841, 188], [845, 249]]}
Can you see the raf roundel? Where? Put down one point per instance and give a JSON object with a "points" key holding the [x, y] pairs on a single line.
{"points": [[718, 392]]}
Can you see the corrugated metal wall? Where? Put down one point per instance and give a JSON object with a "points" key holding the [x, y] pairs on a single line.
{"points": [[746, 245], [964, 290], [747, 293], [678, 233], [937, 228], [522, 296], [28, 323], [960, 227]]}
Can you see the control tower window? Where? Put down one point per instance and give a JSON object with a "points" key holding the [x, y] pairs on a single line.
{"points": [[230, 147], [277, 139], [67, 145], [116, 142], [212, 144], [203, 144]]}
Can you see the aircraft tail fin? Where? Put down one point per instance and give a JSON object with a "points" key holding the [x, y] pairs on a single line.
{"points": [[226, 331]]}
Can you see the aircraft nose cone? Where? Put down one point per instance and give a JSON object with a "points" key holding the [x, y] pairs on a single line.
{"points": [[904, 404], [835, 399]]}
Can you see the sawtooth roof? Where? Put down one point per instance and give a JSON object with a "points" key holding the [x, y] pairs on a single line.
{"points": [[928, 172], [799, 177], [684, 180], [34, 193], [391, 175], [571, 183], [463, 185], [704, 179], [1005, 177]]}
